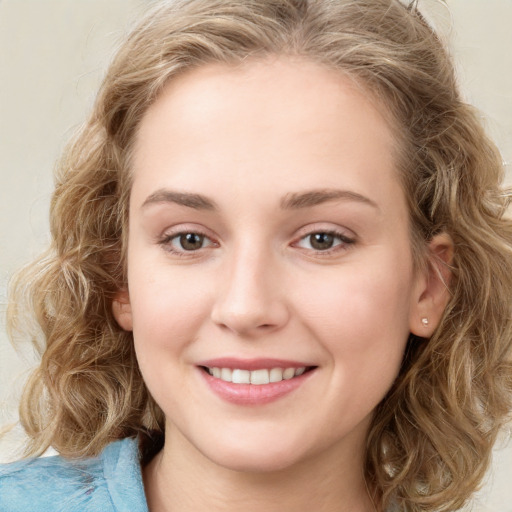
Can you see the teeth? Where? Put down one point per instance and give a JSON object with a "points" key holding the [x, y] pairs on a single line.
{"points": [[276, 375], [257, 377], [226, 374], [260, 377], [241, 376], [289, 373]]}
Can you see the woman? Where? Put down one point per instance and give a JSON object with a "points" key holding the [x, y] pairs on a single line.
{"points": [[280, 269]]}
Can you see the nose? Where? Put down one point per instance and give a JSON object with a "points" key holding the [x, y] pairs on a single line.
{"points": [[250, 300]]}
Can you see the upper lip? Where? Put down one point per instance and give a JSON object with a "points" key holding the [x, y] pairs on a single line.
{"points": [[251, 364]]}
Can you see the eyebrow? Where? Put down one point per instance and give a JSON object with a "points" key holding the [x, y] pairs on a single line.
{"points": [[292, 201], [311, 198], [195, 201]]}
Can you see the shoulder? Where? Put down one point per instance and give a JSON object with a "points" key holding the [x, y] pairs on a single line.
{"points": [[111, 482]]}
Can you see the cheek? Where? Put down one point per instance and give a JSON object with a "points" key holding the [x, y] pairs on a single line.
{"points": [[361, 315], [167, 315], [166, 311]]}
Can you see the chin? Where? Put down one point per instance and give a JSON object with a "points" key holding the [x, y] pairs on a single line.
{"points": [[255, 458]]}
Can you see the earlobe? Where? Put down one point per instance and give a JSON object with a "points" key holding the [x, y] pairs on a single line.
{"points": [[122, 310], [433, 287]]}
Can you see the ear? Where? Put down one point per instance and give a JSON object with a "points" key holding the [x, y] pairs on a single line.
{"points": [[122, 310], [432, 291]]}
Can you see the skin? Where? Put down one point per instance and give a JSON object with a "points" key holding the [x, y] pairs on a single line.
{"points": [[249, 139]]}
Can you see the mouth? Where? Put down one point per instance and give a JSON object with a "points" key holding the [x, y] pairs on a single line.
{"points": [[257, 377], [254, 382]]}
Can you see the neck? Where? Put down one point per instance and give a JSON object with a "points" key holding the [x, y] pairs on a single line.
{"points": [[180, 479]]}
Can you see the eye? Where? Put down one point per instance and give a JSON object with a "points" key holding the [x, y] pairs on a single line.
{"points": [[186, 242], [324, 241], [190, 241]]}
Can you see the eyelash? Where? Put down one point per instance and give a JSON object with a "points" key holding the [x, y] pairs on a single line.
{"points": [[344, 244], [167, 239]]}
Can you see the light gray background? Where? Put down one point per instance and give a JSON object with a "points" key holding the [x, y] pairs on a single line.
{"points": [[52, 56]]}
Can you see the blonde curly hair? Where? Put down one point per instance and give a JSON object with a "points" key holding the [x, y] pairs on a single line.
{"points": [[430, 441]]}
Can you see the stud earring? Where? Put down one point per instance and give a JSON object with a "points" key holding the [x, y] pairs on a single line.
{"points": [[424, 321]]}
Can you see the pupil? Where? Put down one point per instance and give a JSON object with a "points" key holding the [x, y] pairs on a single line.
{"points": [[322, 241], [191, 241]]}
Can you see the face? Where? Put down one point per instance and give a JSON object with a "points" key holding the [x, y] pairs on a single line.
{"points": [[271, 288]]}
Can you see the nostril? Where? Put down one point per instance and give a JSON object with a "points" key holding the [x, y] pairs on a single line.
{"points": [[249, 319]]}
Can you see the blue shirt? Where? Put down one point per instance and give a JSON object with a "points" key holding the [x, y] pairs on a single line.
{"points": [[111, 482]]}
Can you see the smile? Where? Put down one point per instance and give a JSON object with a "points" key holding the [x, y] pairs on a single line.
{"points": [[254, 382], [256, 377]]}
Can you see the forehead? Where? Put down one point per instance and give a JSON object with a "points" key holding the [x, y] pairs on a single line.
{"points": [[263, 88], [286, 120]]}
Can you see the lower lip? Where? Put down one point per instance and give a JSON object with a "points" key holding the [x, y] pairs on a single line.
{"points": [[253, 394]]}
